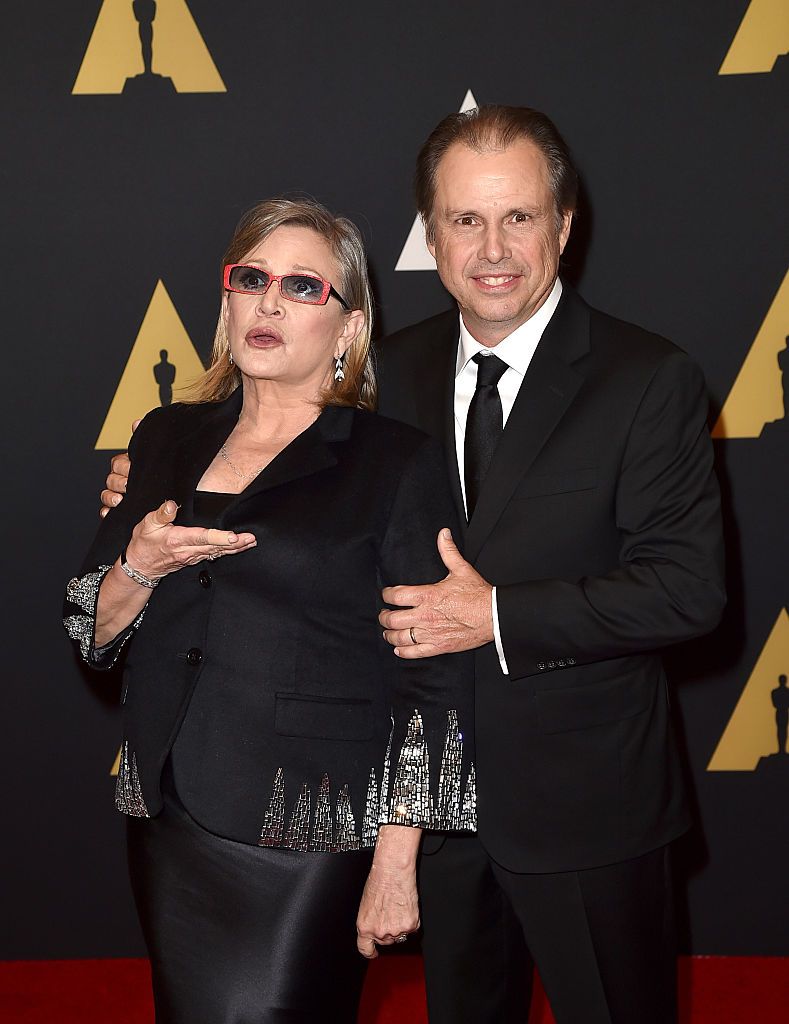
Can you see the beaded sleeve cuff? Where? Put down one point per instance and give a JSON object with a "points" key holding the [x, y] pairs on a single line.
{"points": [[83, 592]]}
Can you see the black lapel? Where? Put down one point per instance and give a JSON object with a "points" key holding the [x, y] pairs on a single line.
{"points": [[547, 391], [213, 425], [435, 395], [308, 453]]}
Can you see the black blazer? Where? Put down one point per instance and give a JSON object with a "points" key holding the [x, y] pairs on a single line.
{"points": [[599, 523], [290, 721]]}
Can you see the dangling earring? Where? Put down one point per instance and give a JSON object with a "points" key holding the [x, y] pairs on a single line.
{"points": [[338, 370], [230, 357]]}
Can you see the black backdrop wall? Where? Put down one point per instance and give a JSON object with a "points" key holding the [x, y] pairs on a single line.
{"points": [[114, 180]]}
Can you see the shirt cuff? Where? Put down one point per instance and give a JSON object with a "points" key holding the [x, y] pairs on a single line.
{"points": [[497, 634]]}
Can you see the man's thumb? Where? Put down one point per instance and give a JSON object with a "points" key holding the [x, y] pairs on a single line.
{"points": [[450, 555]]}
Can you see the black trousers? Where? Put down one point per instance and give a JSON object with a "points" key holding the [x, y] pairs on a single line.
{"points": [[242, 934], [602, 939]]}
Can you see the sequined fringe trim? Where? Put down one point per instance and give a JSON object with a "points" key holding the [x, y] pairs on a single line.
{"points": [[83, 592], [410, 803], [128, 792]]}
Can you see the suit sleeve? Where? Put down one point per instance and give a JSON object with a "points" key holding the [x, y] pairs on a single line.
{"points": [[429, 778], [669, 584], [114, 533]]}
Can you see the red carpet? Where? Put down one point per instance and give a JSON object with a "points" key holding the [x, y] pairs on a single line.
{"points": [[714, 990]]}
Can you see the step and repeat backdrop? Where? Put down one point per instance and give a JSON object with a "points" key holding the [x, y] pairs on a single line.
{"points": [[136, 134]]}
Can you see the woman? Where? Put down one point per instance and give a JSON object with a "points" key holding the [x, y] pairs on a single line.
{"points": [[278, 762]]}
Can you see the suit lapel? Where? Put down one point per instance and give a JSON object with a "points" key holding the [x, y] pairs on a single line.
{"points": [[435, 397], [547, 392], [198, 449], [309, 453]]}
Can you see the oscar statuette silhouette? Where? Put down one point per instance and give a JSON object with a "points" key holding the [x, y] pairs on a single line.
{"points": [[164, 374], [149, 83]]}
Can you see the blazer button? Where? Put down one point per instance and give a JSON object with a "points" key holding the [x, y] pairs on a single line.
{"points": [[204, 578], [194, 656], [541, 666]]}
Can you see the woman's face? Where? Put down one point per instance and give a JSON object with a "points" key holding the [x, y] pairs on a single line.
{"points": [[276, 339]]}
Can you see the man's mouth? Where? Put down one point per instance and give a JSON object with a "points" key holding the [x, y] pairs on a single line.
{"points": [[495, 282]]}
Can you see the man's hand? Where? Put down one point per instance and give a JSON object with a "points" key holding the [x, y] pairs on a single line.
{"points": [[453, 615], [116, 481]]}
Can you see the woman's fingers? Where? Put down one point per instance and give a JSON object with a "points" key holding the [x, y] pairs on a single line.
{"points": [[158, 547]]}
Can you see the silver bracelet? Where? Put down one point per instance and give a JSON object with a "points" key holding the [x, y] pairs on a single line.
{"points": [[136, 575]]}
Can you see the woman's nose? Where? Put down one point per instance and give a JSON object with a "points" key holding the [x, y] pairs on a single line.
{"points": [[270, 301]]}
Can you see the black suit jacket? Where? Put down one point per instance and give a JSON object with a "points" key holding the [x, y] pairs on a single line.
{"points": [[289, 718], [599, 524]]}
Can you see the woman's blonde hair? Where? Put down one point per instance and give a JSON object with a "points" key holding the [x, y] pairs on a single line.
{"points": [[358, 389]]}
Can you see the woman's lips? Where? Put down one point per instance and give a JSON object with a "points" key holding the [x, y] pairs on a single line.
{"points": [[263, 337]]}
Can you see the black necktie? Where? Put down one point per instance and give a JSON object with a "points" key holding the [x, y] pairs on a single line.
{"points": [[484, 425]]}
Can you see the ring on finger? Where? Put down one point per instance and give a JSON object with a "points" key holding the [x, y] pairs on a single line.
{"points": [[413, 641], [401, 937]]}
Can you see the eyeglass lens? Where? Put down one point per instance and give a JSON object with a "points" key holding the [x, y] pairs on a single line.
{"points": [[298, 287]]}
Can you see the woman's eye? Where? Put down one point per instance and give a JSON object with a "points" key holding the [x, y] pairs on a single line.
{"points": [[307, 286], [252, 280]]}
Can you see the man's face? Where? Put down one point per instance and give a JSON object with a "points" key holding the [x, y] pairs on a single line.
{"points": [[497, 243]]}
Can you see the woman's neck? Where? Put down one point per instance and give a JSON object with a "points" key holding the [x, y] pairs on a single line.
{"points": [[269, 412]]}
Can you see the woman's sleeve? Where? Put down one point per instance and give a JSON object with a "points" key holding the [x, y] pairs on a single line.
{"points": [[82, 592], [428, 778]]}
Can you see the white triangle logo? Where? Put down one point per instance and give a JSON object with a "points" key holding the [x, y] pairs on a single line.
{"points": [[415, 254]]}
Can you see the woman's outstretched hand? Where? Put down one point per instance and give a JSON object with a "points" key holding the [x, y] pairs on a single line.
{"points": [[159, 547], [389, 910]]}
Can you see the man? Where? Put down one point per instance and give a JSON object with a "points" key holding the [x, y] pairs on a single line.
{"points": [[593, 540], [581, 460]]}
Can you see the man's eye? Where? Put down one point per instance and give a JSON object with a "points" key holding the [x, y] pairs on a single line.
{"points": [[466, 221], [520, 218]]}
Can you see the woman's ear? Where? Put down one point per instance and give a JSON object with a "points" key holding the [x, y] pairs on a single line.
{"points": [[354, 322]]}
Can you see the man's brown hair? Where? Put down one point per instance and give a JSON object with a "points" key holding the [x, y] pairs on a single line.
{"points": [[495, 127]]}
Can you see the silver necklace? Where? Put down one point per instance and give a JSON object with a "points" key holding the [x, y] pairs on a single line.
{"points": [[236, 470], [254, 472]]}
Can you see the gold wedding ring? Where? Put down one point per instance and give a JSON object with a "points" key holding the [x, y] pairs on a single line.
{"points": [[413, 641]]}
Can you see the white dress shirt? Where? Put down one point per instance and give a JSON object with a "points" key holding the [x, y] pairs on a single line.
{"points": [[516, 350]]}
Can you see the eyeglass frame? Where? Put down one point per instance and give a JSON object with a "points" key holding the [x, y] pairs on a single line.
{"points": [[328, 287]]}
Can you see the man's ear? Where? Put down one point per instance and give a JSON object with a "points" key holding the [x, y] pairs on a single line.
{"points": [[430, 241], [564, 230]]}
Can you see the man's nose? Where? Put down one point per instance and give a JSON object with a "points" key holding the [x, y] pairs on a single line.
{"points": [[494, 247]]}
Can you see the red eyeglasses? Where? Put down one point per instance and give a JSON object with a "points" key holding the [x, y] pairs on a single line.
{"points": [[240, 277]]}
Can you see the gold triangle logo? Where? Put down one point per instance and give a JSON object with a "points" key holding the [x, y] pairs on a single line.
{"points": [[757, 395], [755, 724], [152, 47], [763, 37], [162, 364]]}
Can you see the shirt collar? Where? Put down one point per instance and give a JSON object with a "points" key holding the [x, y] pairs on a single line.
{"points": [[517, 349]]}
